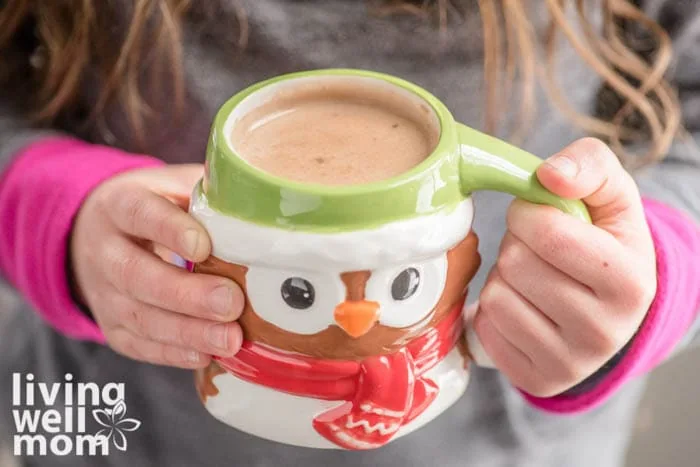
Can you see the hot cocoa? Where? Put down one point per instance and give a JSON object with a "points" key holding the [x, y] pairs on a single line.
{"points": [[336, 133]]}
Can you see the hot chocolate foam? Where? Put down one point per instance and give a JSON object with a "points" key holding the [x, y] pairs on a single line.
{"points": [[339, 132]]}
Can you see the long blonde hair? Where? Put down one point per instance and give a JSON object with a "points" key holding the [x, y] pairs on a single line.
{"points": [[73, 38]]}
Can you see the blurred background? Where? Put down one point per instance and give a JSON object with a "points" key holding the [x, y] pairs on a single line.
{"points": [[668, 423]]}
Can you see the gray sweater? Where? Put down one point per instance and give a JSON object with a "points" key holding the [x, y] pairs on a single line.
{"points": [[492, 425]]}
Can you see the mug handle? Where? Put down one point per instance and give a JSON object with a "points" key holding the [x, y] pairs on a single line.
{"points": [[488, 163]]}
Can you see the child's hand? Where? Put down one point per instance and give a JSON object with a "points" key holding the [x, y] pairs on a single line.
{"points": [[566, 296], [148, 309]]}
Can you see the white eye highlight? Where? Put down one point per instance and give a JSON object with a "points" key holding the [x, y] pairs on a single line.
{"points": [[408, 293], [301, 302]]}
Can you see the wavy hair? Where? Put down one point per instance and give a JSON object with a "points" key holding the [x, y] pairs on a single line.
{"points": [[71, 39]]}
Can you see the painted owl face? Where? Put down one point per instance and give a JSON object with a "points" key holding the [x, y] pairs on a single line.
{"points": [[349, 315], [307, 303]]}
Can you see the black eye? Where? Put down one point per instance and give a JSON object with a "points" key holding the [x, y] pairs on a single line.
{"points": [[298, 293], [405, 284]]}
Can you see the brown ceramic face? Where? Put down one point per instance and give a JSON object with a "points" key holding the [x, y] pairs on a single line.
{"points": [[334, 343]]}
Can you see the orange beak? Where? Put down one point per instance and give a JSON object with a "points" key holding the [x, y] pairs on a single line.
{"points": [[357, 318]]}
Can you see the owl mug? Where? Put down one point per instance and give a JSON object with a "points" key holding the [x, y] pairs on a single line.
{"points": [[353, 325]]}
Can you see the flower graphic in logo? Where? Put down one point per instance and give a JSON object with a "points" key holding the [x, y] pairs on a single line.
{"points": [[115, 424]]}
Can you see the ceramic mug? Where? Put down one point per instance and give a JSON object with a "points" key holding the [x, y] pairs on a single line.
{"points": [[353, 325]]}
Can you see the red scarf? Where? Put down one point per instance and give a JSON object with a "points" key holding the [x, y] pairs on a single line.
{"points": [[383, 393]]}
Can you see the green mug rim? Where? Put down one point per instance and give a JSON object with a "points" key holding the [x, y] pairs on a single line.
{"points": [[464, 160], [444, 117]]}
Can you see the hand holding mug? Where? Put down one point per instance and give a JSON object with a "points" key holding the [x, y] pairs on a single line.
{"points": [[150, 310], [565, 296]]}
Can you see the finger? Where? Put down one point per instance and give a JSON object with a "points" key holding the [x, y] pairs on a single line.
{"points": [[520, 322], [175, 181], [553, 366], [182, 178], [589, 328], [151, 323], [590, 171], [178, 183], [563, 300], [146, 215], [147, 278], [505, 356], [144, 350], [586, 253]]}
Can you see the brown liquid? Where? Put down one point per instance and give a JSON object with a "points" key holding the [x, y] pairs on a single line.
{"points": [[337, 133]]}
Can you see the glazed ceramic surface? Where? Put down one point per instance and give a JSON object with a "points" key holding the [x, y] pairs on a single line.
{"points": [[353, 326]]}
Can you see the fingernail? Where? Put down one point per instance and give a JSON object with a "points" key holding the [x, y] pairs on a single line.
{"points": [[221, 301], [192, 356], [218, 336], [191, 239], [564, 165]]}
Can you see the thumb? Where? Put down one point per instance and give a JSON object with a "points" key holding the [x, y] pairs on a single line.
{"points": [[183, 177], [176, 182], [588, 170]]}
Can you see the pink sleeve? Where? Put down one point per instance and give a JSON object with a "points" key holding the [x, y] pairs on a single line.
{"points": [[675, 308], [40, 194]]}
